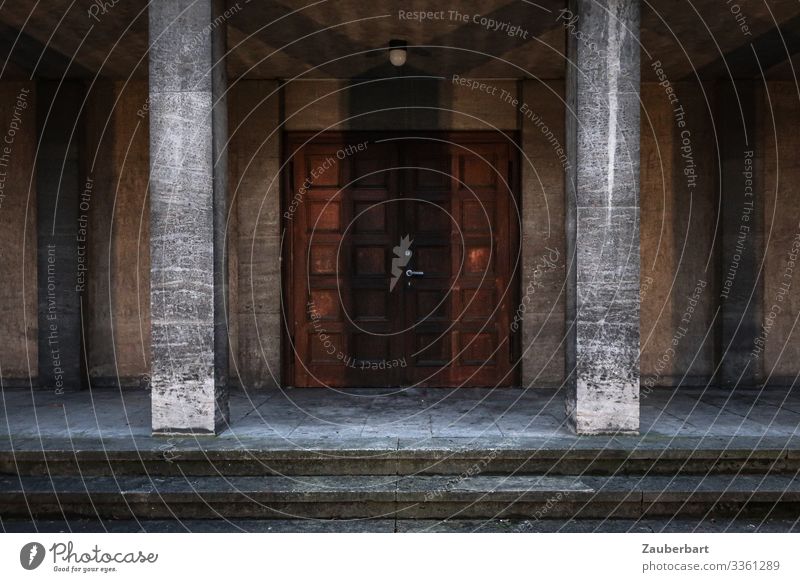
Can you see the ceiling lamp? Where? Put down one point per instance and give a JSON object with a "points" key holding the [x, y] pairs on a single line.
{"points": [[397, 52]]}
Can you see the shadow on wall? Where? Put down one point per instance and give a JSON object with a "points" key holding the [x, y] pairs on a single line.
{"points": [[396, 98], [693, 200]]}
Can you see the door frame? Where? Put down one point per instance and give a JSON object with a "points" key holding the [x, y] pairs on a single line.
{"points": [[290, 142]]}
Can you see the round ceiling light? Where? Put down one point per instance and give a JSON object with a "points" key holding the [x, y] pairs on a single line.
{"points": [[397, 52]]}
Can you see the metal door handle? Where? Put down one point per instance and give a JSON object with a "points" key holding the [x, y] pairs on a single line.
{"points": [[411, 273]]}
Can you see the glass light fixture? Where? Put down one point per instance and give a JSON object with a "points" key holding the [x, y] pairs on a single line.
{"points": [[397, 52]]}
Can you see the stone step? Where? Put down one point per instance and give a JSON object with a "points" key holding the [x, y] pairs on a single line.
{"points": [[429, 496], [442, 459], [698, 524]]}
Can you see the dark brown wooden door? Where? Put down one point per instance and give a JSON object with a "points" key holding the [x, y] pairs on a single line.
{"points": [[401, 259]]}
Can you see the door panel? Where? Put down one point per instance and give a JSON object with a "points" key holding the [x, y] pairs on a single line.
{"points": [[400, 261]]}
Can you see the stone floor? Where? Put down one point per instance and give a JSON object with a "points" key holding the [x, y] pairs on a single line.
{"points": [[421, 416], [722, 421]]}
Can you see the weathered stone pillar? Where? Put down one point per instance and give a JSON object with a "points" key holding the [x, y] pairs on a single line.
{"points": [[188, 129], [603, 216], [61, 267]]}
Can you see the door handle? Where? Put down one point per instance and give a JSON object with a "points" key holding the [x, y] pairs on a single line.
{"points": [[410, 273]]}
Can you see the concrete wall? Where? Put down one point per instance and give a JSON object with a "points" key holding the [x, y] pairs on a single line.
{"points": [[677, 223], [677, 230], [116, 160], [397, 104], [542, 281], [18, 297], [780, 167], [61, 127], [254, 236]]}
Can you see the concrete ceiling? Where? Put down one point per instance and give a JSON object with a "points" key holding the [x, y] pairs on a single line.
{"points": [[345, 38]]}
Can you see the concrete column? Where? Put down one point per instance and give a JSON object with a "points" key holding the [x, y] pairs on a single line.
{"points": [[742, 226], [188, 173], [61, 283], [602, 216]]}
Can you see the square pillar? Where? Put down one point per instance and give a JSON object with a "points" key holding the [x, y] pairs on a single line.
{"points": [[602, 216], [188, 169]]}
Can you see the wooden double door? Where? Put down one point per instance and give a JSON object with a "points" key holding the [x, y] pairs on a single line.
{"points": [[401, 254]]}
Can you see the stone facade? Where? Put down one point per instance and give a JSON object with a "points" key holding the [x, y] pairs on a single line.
{"points": [[666, 277]]}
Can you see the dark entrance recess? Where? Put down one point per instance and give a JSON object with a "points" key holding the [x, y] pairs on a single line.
{"points": [[400, 253]]}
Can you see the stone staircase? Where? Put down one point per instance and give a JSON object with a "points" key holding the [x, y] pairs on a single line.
{"points": [[185, 480]]}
